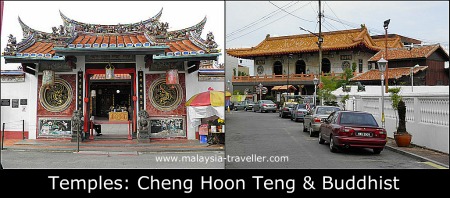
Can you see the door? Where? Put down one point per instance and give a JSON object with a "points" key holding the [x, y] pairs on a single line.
{"points": [[278, 68], [327, 128], [300, 67]]}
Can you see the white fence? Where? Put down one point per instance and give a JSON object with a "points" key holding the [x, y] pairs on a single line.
{"points": [[427, 114]]}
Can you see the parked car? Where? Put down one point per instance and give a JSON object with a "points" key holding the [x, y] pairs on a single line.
{"points": [[265, 105], [285, 109], [352, 129], [248, 105], [299, 112], [315, 118], [238, 106]]}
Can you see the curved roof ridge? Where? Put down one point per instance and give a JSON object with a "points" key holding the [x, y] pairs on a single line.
{"points": [[197, 28], [310, 35], [150, 20], [28, 29]]}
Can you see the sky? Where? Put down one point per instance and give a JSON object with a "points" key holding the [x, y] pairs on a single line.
{"points": [[423, 20], [43, 15]]}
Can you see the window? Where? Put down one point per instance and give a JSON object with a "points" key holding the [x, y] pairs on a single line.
{"points": [[345, 65], [369, 66], [240, 61], [361, 119], [360, 65]]}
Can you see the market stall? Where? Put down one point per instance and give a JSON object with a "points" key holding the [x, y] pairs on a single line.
{"points": [[208, 106]]}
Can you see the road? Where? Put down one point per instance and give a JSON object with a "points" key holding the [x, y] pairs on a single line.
{"points": [[102, 159], [267, 135]]}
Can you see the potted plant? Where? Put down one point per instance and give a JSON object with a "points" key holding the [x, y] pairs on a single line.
{"points": [[401, 136]]}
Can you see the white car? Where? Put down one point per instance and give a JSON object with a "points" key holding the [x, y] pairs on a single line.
{"points": [[316, 117]]}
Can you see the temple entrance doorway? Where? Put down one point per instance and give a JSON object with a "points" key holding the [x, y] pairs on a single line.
{"points": [[110, 109]]}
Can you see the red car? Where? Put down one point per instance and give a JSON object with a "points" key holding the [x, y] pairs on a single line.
{"points": [[344, 129]]}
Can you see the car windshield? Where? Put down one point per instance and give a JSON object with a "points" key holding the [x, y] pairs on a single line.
{"points": [[250, 102], [267, 101], [326, 110], [290, 105], [362, 119], [301, 106]]}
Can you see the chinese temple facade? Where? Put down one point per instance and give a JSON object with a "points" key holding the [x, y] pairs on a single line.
{"points": [[109, 74]]}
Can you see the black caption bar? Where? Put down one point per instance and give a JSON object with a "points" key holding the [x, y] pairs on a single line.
{"points": [[286, 182]]}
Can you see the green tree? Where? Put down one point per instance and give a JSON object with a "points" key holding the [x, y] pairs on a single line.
{"points": [[395, 98], [354, 67], [344, 100]]}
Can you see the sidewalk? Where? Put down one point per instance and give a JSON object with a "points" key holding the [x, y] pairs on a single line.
{"points": [[421, 154], [54, 145]]}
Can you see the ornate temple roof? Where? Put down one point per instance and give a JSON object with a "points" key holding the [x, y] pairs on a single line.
{"points": [[410, 53], [304, 43], [75, 36], [394, 73]]}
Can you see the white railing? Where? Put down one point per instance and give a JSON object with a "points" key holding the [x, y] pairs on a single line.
{"points": [[427, 113]]}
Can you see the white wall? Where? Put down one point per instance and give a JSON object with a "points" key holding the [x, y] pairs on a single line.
{"points": [[193, 86], [13, 116], [312, 62], [427, 112]]}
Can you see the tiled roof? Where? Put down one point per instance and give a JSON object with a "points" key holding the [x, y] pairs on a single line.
{"points": [[394, 73], [116, 76], [182, 46], [394, 42], [405, 53], [40, 48], [111, 40], [337, 40], [283, 87]]}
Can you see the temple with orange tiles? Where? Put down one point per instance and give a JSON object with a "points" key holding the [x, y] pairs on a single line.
{"points": [[138, 75], [294, 60]]}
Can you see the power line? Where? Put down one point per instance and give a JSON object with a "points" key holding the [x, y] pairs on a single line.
{"points": [[335, 14], [228, 40], [291, 13], [267, 16]]}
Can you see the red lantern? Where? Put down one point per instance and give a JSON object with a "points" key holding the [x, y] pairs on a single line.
{"points": [[86, 100], [172, 77], [134, 98]]}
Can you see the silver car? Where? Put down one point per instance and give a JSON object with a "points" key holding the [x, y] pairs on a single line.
{"points": [[316, 117], [248, 105], [265, 105]]}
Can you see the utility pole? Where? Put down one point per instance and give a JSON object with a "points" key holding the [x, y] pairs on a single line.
{"points": [[320, 41]]}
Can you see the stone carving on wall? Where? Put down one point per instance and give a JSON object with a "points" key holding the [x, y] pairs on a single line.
{"points": [[165, 97], [56, 98]]}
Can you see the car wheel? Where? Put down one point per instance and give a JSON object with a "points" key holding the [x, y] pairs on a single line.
{"points": [[304, 128], [274, 111], [377, 150], [311, 131], [245, 108], [321, 140], [333, 148]]}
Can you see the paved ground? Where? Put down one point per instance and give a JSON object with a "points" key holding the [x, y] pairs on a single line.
{"points": [[110, 159], [107, 153], [266, 134]]}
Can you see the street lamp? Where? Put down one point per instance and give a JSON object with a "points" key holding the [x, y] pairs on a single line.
{"points": [[260, 90], [315, 81], [412, 76], [382, 67], [386, 25]]}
